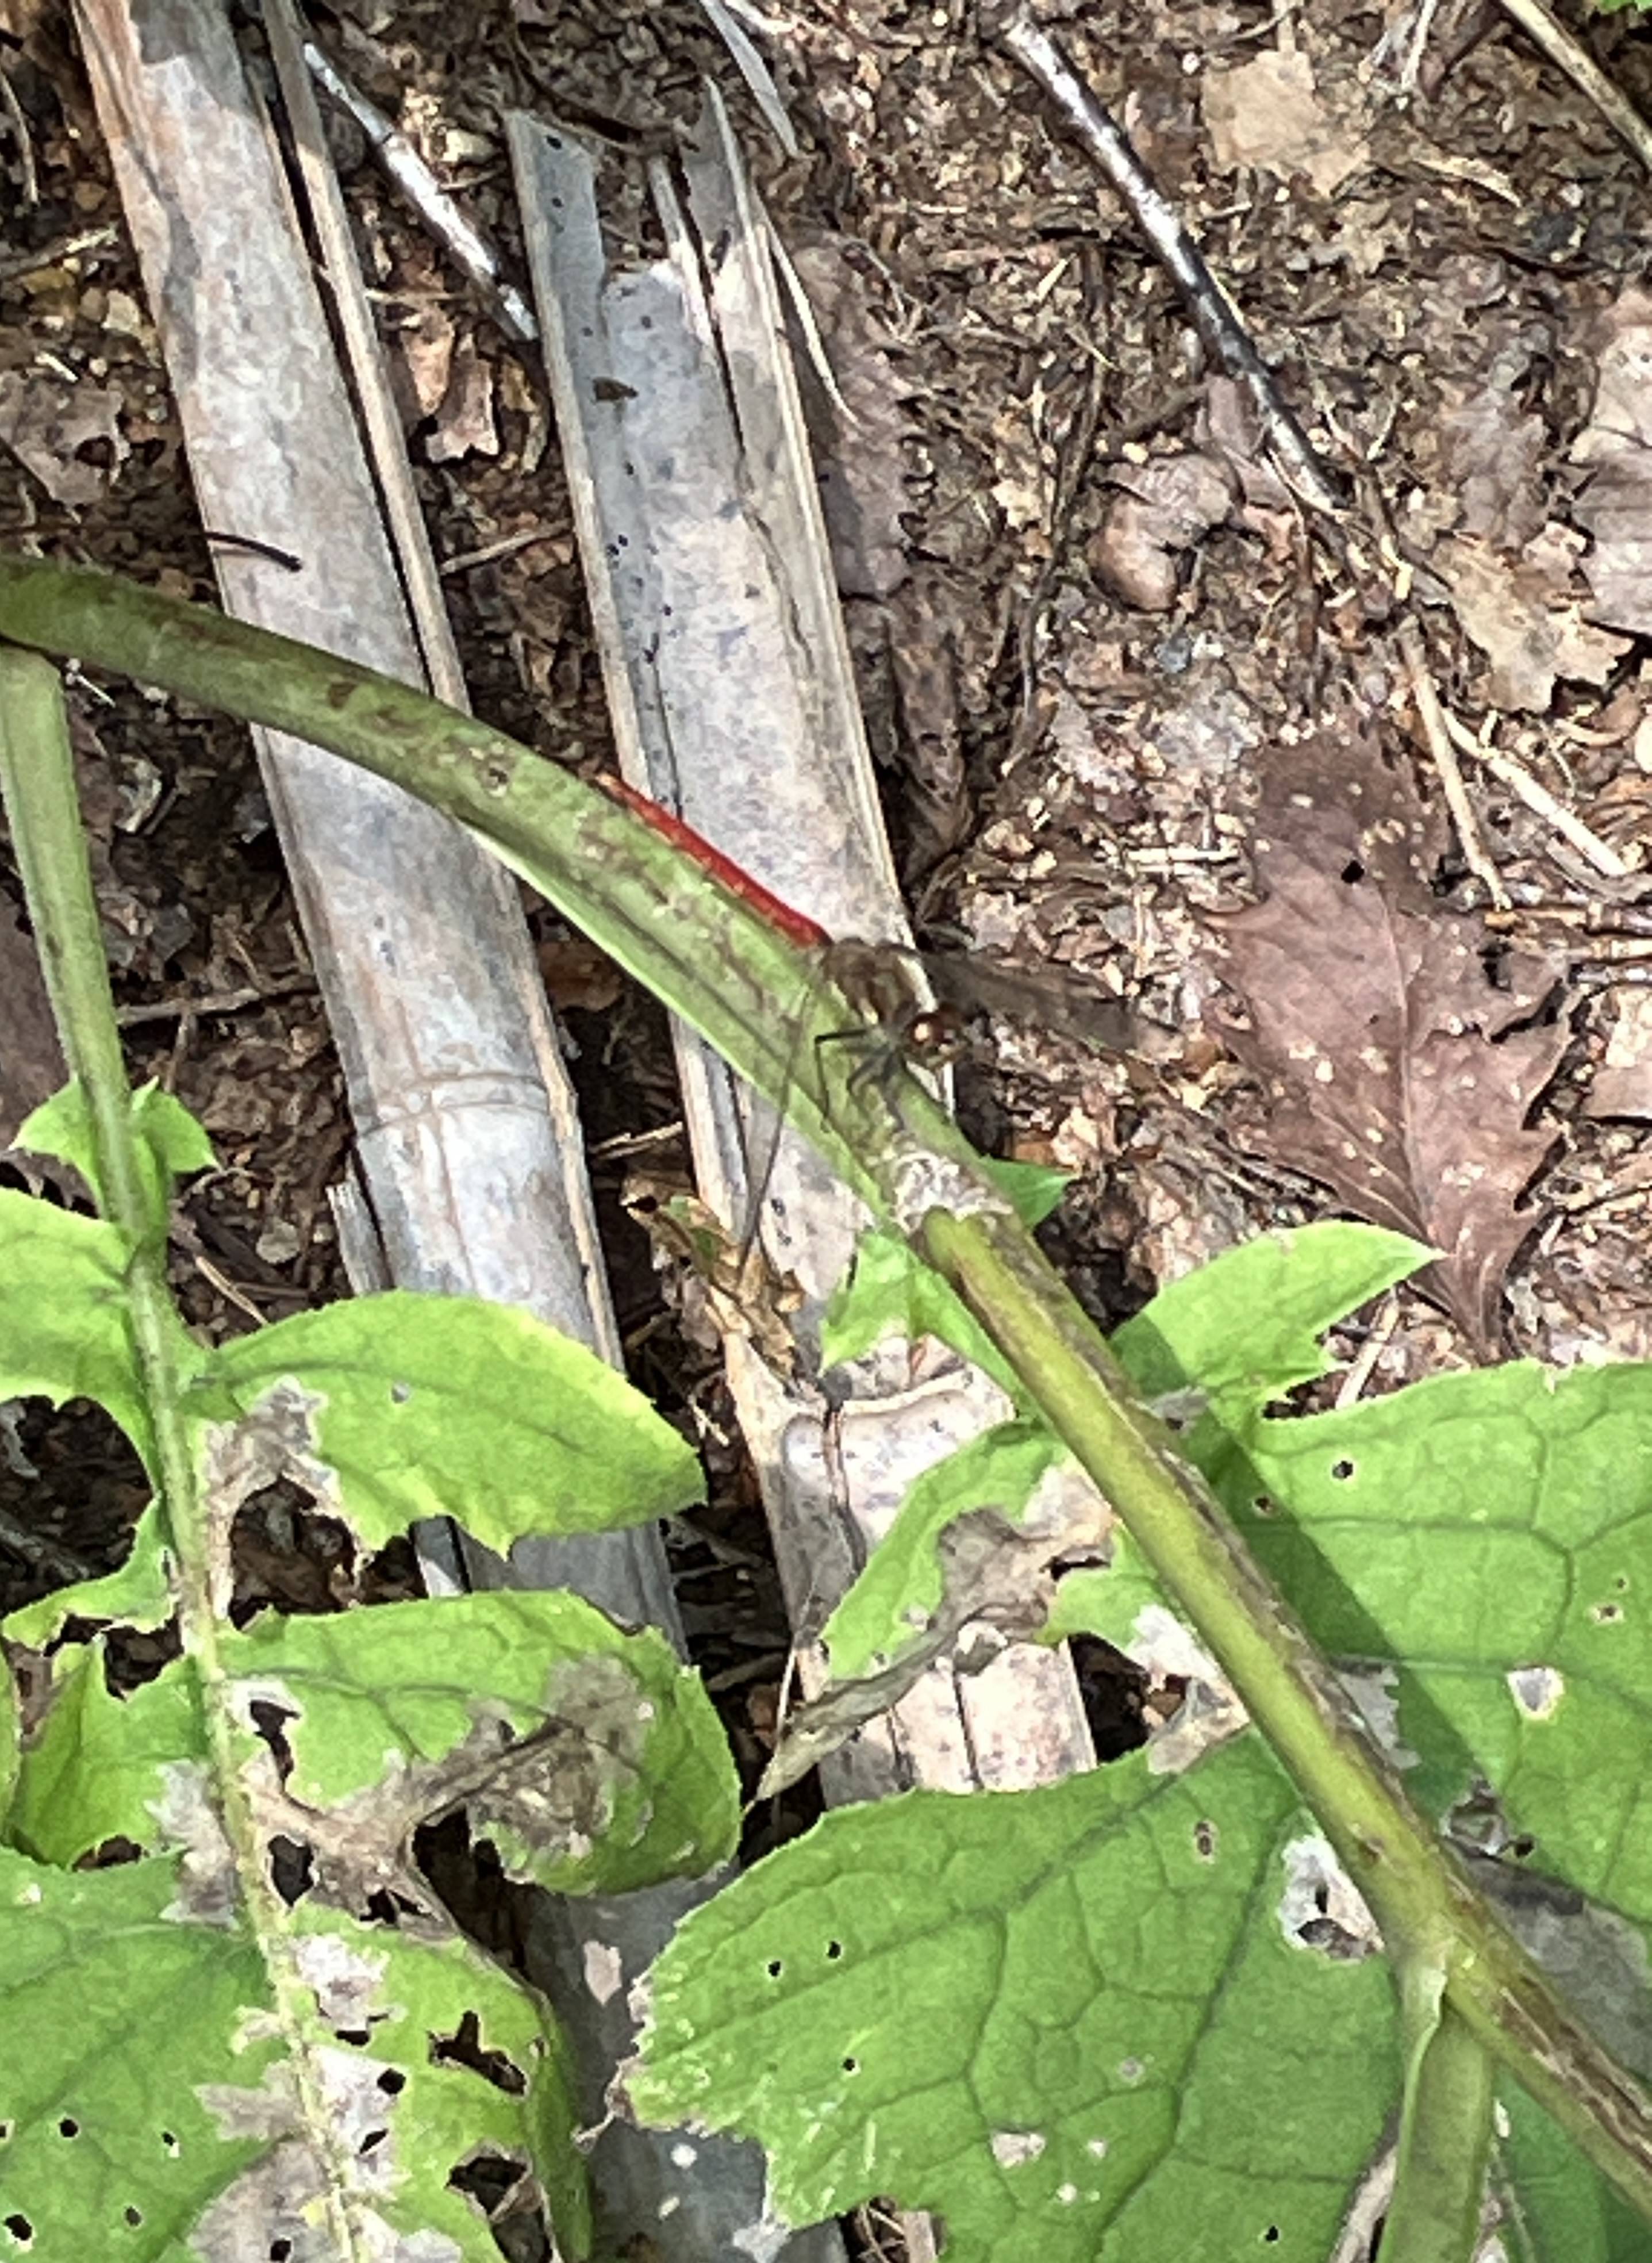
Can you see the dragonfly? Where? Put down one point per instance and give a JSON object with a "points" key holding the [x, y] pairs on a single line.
{"points": [[917, 1009], [886, 982]]}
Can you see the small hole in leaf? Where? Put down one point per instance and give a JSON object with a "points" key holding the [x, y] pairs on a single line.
{"points": [[280, 2250], [291, 1869], [466, 2048], [68, 2127], [851, 2066], [392, 2081], [6, 2127], [360, 2037], [374, 2137], [834, 1948], [1342, 1471], [1352, 870], [21, 2229], [1270, 2237], [1261, 1505], [170, 2143], [776, 1966], [133, 2215]]}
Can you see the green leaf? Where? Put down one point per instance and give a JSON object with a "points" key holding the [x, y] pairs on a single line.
{"points": [[171, 1144], [428, 1405], [478, 2068], [64, 1330], [143, 2074], [1565, 2211], [1035, 1189], [890, 1291], [1482, 1543], [895, 1599], [117, 2018], [99, 1766], [592, 1758], [138, 1594], [1247, 1325], [1079, 2022]]}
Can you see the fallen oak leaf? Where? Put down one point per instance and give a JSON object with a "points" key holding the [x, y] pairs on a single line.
{"points": [[1394, 1066]]}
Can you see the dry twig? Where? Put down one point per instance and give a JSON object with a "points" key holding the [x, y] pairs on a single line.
{"points": [[1538, 799], [1432, 716], [1225, 336]]}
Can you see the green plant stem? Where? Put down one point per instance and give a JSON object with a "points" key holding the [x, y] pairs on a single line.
{"points": [[1429, 1914], [37, 774], [716, 962], [1445, 2137]]}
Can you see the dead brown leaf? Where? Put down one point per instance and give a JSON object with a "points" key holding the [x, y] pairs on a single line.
{"points": [[1393, 1064], [1269, 113], [1616, 506], [464, 424], [1526, 618], [48, 423], [1164, 506], [1492, 452]]}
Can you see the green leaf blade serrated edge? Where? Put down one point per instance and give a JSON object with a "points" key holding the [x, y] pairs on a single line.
{"points": [[895, 1598], [143, 2079], [599, 1763], [99, 1766], [429, 1406], [64, 1331], [171, 1143], [137, 1593], [1247, 1325], [1069, 2021], [890, 1290], [591, 1757], [1487, 1539]]}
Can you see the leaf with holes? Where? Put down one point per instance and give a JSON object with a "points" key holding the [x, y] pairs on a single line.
{"points": [[1474, 1553], [591, 1758], [393, 1407], [138, 1594], [1394, 1067], [146, 2095], [1084, 2023]]}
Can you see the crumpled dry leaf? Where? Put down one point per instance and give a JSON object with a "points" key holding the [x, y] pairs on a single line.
{"points": [[1392, 1064], [1623, 1082], [861, 459], [1525, 616], [427, 353], [1166, 504], [1616, 506], [46, 423], [1229, 426], [1268, 113], [464, 424], [1491, 451]]}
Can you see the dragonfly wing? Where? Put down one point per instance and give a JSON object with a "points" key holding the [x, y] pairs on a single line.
{"points": [[1049, 997]]}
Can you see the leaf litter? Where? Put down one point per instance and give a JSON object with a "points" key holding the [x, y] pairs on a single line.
{"points": [[1401, 1049]]}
